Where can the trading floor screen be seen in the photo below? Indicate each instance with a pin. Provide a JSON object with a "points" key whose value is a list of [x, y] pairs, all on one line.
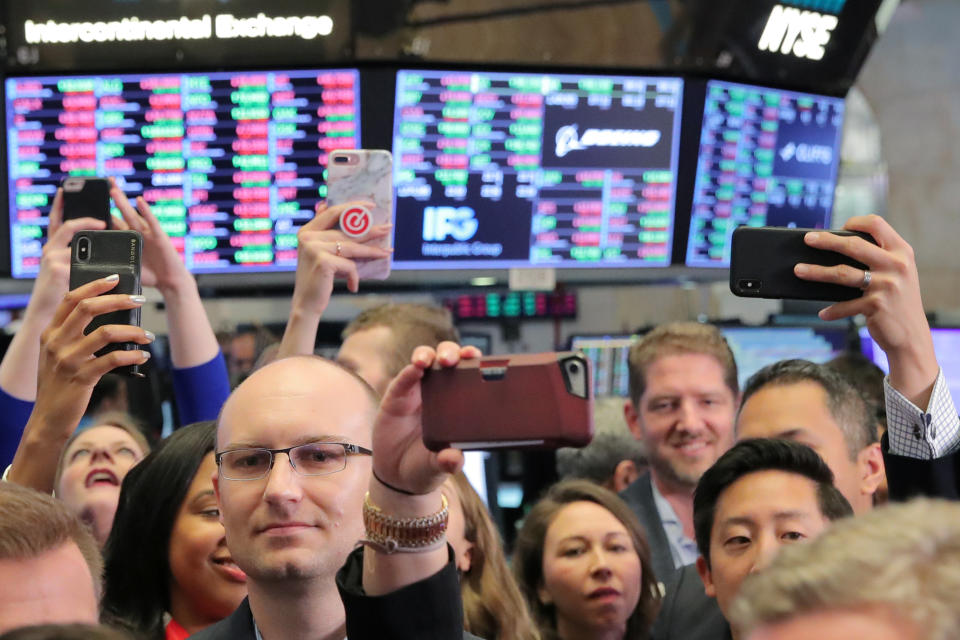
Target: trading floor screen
{"points": [[767, 158], [231, 163], [497, 170]]}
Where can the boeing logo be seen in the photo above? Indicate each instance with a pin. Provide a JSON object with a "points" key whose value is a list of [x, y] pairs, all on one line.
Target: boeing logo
{"points": [[460, 223], [568, 138]]}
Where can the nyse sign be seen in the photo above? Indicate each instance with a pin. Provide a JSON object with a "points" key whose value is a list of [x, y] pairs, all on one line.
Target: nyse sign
{"points": [[791, 31]]}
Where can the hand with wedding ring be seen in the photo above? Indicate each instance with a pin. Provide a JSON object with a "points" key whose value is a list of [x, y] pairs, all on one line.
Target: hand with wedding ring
{"points": [[891, 300], [325, 253]]}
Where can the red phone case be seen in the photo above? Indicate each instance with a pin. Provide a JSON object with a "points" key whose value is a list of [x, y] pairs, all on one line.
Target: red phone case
{"points": [[540, 400]]}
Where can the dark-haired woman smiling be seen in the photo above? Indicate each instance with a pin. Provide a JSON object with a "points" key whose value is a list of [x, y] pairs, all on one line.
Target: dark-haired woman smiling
{"points": [[168, 570]]}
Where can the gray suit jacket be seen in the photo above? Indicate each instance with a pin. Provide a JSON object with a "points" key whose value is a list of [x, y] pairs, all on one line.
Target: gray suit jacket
{"points": [[639, 497]]}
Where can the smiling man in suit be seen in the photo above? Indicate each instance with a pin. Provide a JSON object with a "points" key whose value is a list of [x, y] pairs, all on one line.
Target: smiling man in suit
{"points": [[683, 400]]}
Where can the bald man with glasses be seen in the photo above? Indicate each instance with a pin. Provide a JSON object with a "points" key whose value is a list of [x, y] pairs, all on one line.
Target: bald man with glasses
{"points": [[310, 464]]}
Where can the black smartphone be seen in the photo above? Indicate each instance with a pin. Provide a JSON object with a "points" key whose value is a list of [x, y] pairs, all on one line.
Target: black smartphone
{"points": [[528, 400], [762, 261], [98, 254], [86, 198]]}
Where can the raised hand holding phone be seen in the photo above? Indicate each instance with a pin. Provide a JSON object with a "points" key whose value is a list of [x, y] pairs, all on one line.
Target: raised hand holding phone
{"points": [[891, 301], [762, 261], [324, 254], [363, 177], [115, 254]]}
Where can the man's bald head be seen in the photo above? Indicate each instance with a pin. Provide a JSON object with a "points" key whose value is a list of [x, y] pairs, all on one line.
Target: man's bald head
{"points": [[295, 377]]}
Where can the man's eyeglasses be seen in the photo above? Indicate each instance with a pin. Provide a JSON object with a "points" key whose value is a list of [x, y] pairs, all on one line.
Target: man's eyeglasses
{"points": [[312, 459]]}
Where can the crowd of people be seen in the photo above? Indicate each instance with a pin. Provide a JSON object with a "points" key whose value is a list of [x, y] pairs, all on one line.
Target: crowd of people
{"points": [[300, 502]]}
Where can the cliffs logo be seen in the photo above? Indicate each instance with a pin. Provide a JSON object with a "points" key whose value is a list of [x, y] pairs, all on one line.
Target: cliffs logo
{"points": [[568, 138], [460, 223], [790, 31]]}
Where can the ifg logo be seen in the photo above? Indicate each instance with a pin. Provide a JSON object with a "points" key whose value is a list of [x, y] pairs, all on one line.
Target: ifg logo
{"points": [[460, 223]]}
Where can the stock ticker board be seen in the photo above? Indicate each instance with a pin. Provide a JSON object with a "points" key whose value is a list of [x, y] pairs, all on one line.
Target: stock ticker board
{"points": [[231, 163], [767, 158], [497, 170]]}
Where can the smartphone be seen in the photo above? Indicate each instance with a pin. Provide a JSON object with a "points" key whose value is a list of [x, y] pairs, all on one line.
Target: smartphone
{"points": [[98, 254], [86, 198], [762, 261], [538, 400], [363, 174]]}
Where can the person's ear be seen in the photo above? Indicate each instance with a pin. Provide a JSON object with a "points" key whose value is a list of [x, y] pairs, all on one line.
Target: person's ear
{"points": [[632, 418], [707, 577], [624, 475], [871, 467], [465, 559]]}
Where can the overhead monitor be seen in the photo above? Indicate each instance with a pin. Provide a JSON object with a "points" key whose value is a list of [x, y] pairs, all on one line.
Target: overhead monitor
{"points": [[768, 157], [499, 170], [946, 343], [231, 163], [756, 347]]}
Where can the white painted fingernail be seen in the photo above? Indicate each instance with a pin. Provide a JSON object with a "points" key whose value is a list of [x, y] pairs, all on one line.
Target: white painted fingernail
{"points": [[145, 354], [138, 299], [112, 278], [149, 335]]}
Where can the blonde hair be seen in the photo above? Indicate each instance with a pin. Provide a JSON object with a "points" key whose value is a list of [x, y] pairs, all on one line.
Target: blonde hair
{"points": [[679, 338], [32, 523], [411, 326], [902, 558], [120, 420], [493, 606]]}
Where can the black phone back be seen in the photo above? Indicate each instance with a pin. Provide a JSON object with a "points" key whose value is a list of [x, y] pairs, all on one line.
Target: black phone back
{"points": [[762, 261], [98, 254], [86, 198]]}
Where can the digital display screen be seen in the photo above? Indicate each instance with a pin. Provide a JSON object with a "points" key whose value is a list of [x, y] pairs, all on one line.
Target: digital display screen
{"points": [[946, 343], [232, 164], [756, 347], [610, 358], [767, 158], [512, 304], [499, 170]]}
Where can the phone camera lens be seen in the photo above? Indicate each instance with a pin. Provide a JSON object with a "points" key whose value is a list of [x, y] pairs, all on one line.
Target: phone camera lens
{"points": [[573, 367], [341, 159], [83, 249]]}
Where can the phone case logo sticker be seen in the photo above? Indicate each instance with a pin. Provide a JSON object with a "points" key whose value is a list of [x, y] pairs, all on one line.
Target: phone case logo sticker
{"points": [[356, 221]]}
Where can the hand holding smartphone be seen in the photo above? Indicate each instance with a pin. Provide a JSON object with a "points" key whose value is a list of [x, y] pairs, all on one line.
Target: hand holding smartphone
{"points": [[363, 175], [540, 400], [98, 254], [762, 261]]}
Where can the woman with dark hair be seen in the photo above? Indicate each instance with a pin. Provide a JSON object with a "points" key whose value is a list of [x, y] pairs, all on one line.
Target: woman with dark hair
{"points": [[583, 563], [493, 606], [168, 572]]}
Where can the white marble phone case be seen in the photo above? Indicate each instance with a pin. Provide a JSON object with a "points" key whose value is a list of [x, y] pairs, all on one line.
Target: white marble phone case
{"points": [[369, 178]]}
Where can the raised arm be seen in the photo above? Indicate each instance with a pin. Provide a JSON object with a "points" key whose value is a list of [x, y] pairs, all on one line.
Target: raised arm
{"points": [[922, 419], [192, 340], [408, 576], [18, 371], [68, 371], [324, 253]]}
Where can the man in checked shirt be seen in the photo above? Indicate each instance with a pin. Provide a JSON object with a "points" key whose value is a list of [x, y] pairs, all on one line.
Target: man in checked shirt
{"points": [[921, 448]]}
